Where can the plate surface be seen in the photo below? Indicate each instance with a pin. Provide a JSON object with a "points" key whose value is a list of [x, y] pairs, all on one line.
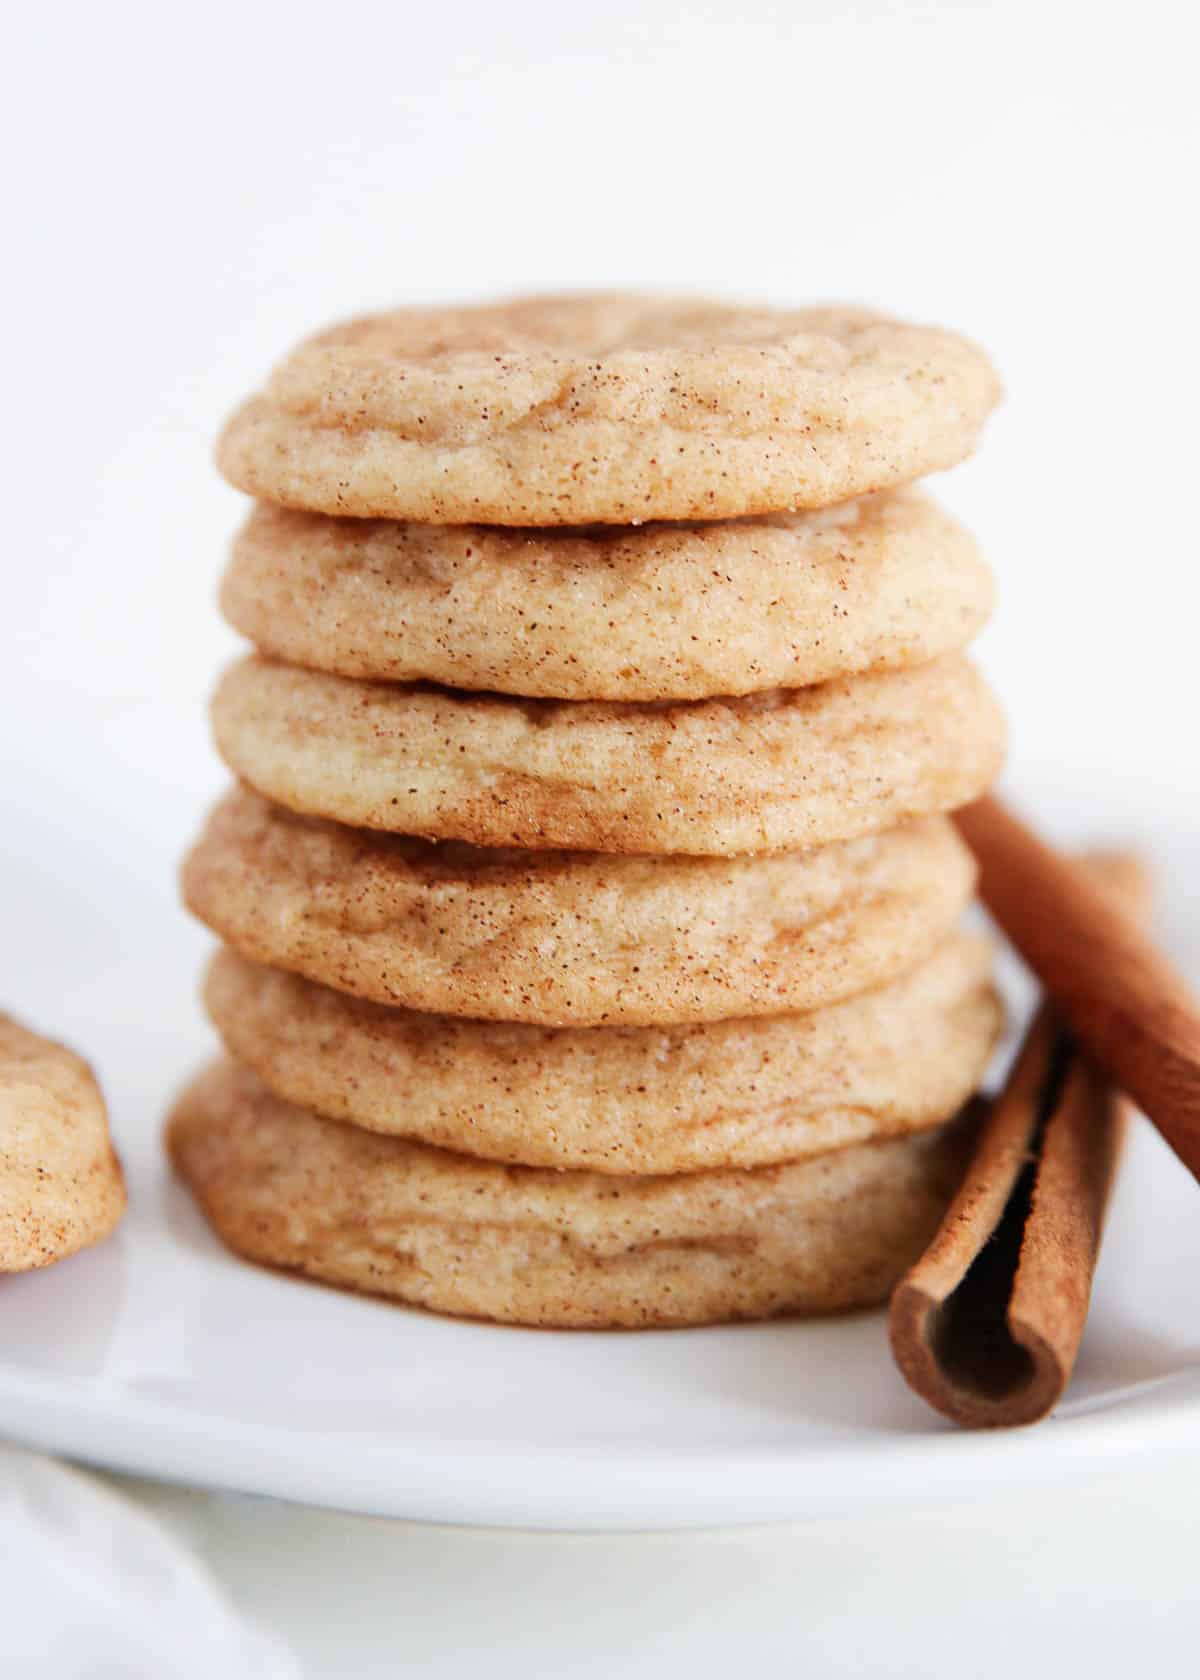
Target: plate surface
{"points": [[161, 1354]]}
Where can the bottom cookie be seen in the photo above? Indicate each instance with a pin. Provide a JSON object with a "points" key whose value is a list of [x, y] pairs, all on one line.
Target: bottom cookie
{"points": [[528, 1245]]}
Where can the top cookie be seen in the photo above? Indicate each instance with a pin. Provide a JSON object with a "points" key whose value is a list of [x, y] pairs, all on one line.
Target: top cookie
{"points": [[608, 409]]}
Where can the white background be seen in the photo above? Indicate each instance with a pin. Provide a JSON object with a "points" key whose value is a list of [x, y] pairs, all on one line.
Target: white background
{"points": [[188, 191]]}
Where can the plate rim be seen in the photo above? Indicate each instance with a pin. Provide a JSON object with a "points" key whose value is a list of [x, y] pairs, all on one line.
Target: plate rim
{"points": [[494, 1485]]}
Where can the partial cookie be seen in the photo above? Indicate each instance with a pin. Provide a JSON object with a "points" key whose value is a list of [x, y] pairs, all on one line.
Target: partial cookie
{"points": [[60, 1181], [569, 938], [624, 1099], [569, 410], [523, 1245], [664, 612], [763, 773]]}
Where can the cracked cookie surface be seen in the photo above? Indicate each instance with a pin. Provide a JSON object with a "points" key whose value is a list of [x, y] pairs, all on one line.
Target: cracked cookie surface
{"points": [[61, 1186], [570, 938], [769, 772], [623, 1100], [611, 408], [664, 612], [524, 1245]]}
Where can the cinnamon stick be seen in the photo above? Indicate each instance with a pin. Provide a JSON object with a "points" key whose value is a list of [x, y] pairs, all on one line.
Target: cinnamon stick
{"points": [[987, 1325], [1124, 1000]]}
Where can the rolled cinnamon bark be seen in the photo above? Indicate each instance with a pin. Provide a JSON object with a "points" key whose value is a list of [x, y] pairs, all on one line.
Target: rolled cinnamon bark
{"points": [[986, 1326], [1126, 1003]]}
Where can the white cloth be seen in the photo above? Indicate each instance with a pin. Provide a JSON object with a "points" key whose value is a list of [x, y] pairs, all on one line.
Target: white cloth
{"points": [[92, 1588]]}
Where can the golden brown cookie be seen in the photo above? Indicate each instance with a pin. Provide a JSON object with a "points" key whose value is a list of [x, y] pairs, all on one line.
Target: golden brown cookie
{"points": [[664, 612], [524, 1245], [618, 409], [60, 1181], [623, 1099], [767, 772], [569, 938]]}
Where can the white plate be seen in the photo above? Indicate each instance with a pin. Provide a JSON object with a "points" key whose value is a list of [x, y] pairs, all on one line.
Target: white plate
{"points": [[159, 1353]]}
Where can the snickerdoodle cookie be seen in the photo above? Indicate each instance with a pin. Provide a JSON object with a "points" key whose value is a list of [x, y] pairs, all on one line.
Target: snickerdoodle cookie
{"points": [[529, 1246], [623, 1099], [569, 410], [570, 938], [60, 1181], [664, 612], [761, 773]]}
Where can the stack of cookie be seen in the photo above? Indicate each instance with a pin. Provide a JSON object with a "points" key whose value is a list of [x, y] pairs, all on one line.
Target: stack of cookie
{"points": [[588, 897]]}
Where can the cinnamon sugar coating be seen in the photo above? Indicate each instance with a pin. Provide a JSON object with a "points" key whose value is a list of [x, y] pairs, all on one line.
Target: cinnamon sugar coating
{"points": [[767, 772], [628, 1100], [60, 1181], [611, 409], [569, 938], [523, 1245], [661, 612]]}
